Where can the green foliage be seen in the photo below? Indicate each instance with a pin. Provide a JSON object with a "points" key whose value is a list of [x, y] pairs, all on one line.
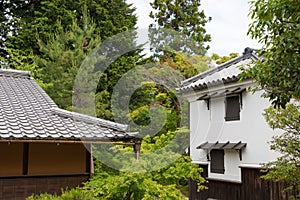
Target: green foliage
{"points": [[72, 194], [287, 167], [52, 38], [110, 77], [23, 19], [183, 17], [158, 100], [29, 18], [118, 185], [140, 181], [276, 24], [61, 57], [222, 59], [21, 61], [162, 172], [103, 105], [188, 65], [155, 104]]}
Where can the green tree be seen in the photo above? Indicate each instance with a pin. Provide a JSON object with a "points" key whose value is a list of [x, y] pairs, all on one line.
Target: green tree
{"points": [[186, 64], [222, 59], [276, 25], [287, 167], [164, 77], [53, 49], [60, 59], [27, 18], [168, 179], [185, 19], [52, 38], [24, 19], [145, 100], [163, 183], [112, 75]]}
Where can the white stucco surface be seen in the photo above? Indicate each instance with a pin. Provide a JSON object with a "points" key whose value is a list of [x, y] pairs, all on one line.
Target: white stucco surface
{"points": [[210, 126]]}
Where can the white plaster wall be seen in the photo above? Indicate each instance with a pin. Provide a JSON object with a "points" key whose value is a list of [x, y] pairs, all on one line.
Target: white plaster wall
{"points": [[198, 126], [231, 165], [210, 125]]}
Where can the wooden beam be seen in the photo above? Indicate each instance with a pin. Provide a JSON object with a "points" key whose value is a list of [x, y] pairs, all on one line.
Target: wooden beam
{"points": [[68, 142]]}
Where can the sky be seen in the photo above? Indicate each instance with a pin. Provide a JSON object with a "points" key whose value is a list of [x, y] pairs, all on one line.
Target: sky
{"points": [[228, 27]]}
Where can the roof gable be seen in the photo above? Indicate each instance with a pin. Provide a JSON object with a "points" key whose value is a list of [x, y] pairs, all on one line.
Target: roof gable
{"points": [[224, 73], [27, 112]]}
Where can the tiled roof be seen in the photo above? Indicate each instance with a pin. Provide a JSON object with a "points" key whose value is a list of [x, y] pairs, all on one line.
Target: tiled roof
{"points": [[227, 72], [27, 112]]}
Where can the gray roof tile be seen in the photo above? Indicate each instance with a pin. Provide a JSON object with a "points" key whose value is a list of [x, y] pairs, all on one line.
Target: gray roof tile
{"points": [[227, 72], [27, 112]]}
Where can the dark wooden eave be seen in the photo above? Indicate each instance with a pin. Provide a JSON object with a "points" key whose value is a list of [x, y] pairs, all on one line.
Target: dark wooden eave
{"points": [[238, 146]]}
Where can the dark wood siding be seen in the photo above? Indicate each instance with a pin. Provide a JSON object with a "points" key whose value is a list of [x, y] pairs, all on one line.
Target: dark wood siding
{"points": [[43, 159], [40, 167], [11, 159], [18, 188], [251, 188], [55, 159]]}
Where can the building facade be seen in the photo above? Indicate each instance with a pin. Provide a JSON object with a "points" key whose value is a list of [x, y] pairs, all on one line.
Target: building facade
{"points": [[229, 135], [43, 148]]}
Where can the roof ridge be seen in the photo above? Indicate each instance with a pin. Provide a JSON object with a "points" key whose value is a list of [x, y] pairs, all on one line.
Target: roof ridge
{"points": [[26, 74], [90, 119], [14, 73], [248, 53]]}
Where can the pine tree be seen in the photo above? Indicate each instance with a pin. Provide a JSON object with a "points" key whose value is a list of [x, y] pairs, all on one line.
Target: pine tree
{"points": [[60, 58], [179, 25], [26, 19], [52, 38]]}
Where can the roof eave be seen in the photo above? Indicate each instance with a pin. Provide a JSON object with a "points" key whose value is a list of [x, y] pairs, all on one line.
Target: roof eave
{"points": [[248, 54]]}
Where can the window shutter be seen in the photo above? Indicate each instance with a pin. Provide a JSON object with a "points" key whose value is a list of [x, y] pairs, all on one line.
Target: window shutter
{"points": [[232, 108], [217, 161]]}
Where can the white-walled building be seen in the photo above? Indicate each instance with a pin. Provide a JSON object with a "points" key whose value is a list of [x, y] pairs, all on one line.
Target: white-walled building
{"points": [[229, 135]]}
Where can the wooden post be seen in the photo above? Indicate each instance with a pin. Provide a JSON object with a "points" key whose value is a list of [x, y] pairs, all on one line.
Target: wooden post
{"points": [[25, 158], [88, 158], [137, 149]]}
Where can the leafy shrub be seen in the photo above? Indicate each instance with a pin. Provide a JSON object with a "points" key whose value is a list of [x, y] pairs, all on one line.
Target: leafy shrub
{"points": [[72, 194]]}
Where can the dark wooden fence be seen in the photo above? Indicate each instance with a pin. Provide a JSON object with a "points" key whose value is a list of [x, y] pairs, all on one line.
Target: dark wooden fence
{"points": [[21, 187], [251, 188]]}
